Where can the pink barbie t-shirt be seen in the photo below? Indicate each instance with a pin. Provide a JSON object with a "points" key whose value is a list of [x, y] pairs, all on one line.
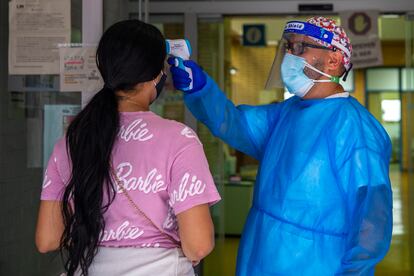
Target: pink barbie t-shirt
{"points": [[161, 164]]}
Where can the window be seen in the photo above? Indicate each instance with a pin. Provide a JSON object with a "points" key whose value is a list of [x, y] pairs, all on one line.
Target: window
{"points": [[391, 110]]}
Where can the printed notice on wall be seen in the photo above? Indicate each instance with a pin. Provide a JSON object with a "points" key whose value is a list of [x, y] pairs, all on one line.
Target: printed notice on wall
{"points": [[367, 53], [78, 70], [56, 121], [36, 29], [362, 29]]}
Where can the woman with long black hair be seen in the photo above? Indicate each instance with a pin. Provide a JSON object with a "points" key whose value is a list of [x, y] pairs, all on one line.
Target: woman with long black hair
{"points": [[127, 192]]}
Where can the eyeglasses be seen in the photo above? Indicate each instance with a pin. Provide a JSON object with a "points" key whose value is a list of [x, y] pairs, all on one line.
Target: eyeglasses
{"points": [[298, 48]]}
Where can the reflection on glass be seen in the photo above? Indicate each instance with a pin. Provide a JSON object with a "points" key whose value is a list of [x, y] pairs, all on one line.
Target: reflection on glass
{"points": [[391, 110]]}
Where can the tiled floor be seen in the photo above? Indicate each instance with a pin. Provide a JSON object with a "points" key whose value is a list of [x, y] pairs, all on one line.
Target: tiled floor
{"points": [[222, 261]]}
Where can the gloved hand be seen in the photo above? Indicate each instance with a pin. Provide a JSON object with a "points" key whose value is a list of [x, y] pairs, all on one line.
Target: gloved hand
{"points": [[182, 79]]}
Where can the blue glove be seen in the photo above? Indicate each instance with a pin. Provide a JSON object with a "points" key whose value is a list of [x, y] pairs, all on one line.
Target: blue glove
{"points": [[182, 79]]}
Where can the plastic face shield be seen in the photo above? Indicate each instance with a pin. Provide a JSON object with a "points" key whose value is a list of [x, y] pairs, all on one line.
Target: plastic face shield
{"points": [[294, 40]]}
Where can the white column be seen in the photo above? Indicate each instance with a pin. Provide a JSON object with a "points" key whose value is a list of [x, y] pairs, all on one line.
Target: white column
{"points": [[92, 21]]}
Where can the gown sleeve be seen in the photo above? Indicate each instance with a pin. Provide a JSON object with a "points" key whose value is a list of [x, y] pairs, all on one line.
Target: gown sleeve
{"points": [[245, 128], [369, 201]]}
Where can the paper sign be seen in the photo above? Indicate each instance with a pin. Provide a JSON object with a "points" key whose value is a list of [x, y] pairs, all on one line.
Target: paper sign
{"points": [[36, 27], [367, 53], [360, 24], [254, 35], [78, 70], [362, 29]]}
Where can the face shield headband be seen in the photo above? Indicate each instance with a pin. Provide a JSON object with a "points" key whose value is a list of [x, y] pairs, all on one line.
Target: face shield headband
{"points": [[304, 28]]}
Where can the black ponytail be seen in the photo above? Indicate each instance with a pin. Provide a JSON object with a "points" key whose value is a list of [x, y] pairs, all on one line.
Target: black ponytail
{"points": [[130, 52], [90, 157]]}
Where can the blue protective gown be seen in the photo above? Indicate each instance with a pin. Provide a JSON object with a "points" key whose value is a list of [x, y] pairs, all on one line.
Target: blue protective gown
{"points": [[322, 200]]}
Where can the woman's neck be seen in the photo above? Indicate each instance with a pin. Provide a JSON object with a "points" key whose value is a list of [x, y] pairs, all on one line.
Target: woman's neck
{"points": [[128, 105]]}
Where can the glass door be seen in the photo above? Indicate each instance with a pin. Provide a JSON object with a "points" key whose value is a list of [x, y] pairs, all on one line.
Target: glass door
{"points": [[33, 114], [384, 102], [408, 85], [210, 40]]}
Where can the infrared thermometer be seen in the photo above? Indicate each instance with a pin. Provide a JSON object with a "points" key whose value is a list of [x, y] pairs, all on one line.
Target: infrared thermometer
{"points": [[180, 49]]}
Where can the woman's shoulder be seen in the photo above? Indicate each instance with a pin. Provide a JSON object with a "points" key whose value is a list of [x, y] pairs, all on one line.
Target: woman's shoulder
{"points": [[174, 129], [181, 133]]}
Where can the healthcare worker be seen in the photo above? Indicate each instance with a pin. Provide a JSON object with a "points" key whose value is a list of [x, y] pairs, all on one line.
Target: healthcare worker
{"points": [[322, 201]]}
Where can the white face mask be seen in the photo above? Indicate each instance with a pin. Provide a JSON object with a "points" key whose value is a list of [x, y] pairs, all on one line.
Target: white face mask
{"points": [[294, 77]]}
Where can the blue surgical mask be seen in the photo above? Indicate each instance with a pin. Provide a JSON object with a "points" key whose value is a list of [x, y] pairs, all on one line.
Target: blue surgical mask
{"points": [[294, 77]]}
